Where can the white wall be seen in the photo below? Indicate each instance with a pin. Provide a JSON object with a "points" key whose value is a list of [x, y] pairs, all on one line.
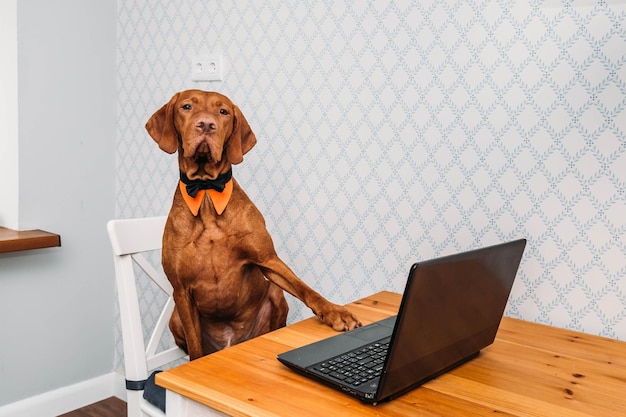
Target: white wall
{"points": [[57, 305], [8, 115]]}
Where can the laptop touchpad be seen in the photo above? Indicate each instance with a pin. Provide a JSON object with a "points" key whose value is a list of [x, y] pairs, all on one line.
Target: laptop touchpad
{"points": [[375, 331]]}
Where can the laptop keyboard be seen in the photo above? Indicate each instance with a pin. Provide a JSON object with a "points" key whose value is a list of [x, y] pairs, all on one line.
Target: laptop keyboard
{"points": [[358, 366]]}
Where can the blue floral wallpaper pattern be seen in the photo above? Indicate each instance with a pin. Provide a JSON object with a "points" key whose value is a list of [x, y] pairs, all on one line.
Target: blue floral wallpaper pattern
{"points": [[390, 132]]}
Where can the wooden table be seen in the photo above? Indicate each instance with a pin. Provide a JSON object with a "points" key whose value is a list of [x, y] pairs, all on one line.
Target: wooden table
{"points": [[530, 370]]}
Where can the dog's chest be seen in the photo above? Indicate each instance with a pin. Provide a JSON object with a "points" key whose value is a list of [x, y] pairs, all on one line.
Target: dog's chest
{"points": [[215, 237], [210, 245], [213, 243]]}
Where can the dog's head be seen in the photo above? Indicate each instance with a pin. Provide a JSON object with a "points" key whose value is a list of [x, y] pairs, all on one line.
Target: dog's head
{"points": [[209, 132]]}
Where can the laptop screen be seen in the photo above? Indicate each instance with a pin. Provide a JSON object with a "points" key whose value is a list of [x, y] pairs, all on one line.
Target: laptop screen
{"points": [[452, 307]]}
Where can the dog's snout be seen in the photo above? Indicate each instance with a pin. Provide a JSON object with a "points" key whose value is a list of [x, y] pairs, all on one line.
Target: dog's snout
{"points": [[206, 125]]}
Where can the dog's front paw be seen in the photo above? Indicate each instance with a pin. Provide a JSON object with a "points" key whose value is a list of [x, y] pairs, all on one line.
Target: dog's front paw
{"points": [[339, 318]]}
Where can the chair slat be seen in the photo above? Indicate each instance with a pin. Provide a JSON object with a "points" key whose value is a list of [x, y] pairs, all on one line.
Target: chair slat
{"points": [[130, 239], [156, 276]]}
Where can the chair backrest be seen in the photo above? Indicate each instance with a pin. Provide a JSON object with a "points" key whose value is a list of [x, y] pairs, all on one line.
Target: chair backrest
{"points": [[131, 240]]}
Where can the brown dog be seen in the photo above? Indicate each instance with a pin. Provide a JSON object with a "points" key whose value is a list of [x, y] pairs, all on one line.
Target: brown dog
{"points": [[217, 253]]}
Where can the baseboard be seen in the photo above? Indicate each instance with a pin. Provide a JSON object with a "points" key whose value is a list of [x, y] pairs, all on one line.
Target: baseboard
{"points": [[63, 400]]}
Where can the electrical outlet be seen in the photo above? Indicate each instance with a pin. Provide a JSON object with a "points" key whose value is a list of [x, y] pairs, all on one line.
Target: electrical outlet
{"points": [[206, 68]]}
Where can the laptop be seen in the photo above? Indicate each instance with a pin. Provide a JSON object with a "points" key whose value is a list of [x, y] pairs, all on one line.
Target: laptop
{"points": [[451, 309]]}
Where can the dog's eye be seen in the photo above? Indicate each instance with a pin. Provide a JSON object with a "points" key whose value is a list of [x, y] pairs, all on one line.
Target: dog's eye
{"points": [[186, 107], [224, 112]]}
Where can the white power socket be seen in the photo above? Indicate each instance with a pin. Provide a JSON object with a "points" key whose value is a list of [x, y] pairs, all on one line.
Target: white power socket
{"points": [[206, 68]]}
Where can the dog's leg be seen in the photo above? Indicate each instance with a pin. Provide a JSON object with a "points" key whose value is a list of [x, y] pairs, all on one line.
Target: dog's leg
{"points": [[190, 322], [280, 309], [177, 330], [338, 317]]}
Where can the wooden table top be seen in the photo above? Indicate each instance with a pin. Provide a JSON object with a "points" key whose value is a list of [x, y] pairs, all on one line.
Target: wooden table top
{"points": [[530, 370]]}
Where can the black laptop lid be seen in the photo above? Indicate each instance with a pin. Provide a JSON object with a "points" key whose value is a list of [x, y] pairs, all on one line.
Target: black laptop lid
{"points": [[451, 309]]}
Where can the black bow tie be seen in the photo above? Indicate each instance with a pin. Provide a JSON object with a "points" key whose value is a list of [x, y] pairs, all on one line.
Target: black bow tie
{"points": [[218, 184]]}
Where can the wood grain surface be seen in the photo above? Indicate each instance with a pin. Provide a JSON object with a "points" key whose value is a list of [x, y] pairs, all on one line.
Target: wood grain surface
{"points": [[530, 370]]}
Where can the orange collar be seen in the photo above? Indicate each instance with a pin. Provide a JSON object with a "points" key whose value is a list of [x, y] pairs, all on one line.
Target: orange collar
{"points": [[220, 199]]}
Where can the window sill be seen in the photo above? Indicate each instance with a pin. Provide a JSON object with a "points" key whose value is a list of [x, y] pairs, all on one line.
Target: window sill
{"points": [[14, 240]]}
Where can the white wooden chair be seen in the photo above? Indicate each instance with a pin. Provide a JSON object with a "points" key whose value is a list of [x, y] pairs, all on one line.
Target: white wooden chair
{"points": [[131, 239]]}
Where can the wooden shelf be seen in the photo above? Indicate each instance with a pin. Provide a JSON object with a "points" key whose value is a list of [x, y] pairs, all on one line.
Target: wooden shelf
{"points": [[14, 240]]}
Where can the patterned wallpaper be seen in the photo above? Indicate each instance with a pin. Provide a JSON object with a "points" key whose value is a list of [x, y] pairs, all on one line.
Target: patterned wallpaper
{"points": [[390, 132]]}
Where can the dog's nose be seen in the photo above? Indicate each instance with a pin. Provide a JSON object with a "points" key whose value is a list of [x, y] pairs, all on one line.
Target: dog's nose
{"points": [[206, 125]]}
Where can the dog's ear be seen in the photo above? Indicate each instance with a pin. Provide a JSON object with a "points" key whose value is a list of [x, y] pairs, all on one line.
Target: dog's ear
{"points": [[161, 127], [241, 140]]}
